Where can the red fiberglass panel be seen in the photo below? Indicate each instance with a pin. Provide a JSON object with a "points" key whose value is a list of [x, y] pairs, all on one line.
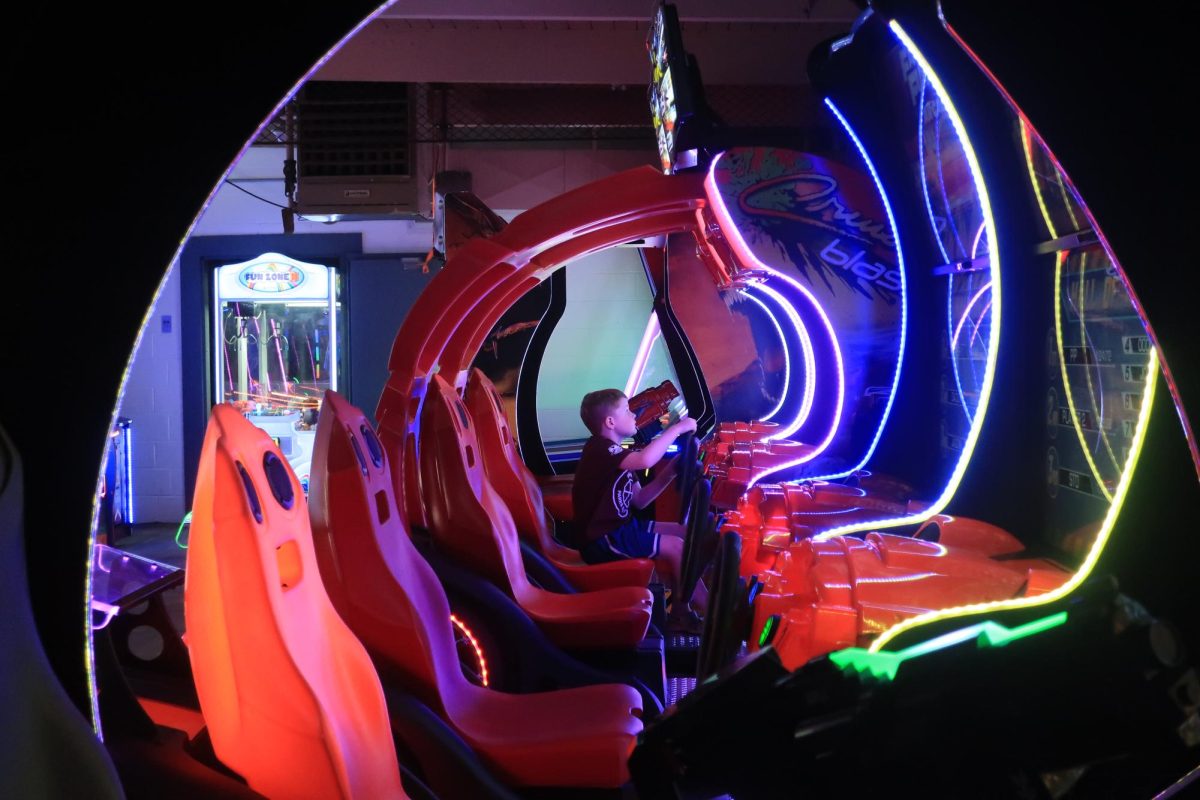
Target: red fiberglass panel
{"points": [[290, 696], [629, 205], [391, 598], [471, 523], [520, 491]]}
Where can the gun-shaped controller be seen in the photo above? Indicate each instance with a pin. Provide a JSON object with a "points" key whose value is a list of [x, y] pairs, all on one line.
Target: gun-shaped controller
{"points": [[650, 407]]}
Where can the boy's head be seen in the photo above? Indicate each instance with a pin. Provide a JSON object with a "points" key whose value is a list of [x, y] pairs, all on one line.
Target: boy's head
{"points": [[607, 408]]}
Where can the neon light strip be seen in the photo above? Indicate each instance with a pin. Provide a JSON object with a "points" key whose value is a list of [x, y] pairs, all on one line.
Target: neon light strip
{"points": [[977, 322], [787, 360], [887, 206], [962, 397], [1033, 179], [993, 335], [332, 350], [937, 143], [937, 236], [1089, 563], [975, 244], [810, 365], [108, 610], [1172, 386], [1062, 189], [1059, 260], [986, 634], [483, 673], [643, 355], [1085, 339], [89, 647], [128, 432], [970, 304], [218, 339], [734, 237]]}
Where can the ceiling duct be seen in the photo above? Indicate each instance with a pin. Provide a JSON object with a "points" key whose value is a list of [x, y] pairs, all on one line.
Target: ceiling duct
{"points": [[354, 152]]}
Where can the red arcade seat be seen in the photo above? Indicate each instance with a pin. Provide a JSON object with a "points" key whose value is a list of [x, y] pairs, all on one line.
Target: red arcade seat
{"points": [[513, 481], [291, 699], [470, 522], [392, 600]]}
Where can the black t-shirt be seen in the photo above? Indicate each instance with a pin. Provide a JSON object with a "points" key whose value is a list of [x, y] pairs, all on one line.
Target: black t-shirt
{"points": [[603, 492]]}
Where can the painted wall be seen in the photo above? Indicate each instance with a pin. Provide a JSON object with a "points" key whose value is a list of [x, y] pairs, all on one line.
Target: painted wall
{"points": [[153, 400], [509, 180], [595, 342]]}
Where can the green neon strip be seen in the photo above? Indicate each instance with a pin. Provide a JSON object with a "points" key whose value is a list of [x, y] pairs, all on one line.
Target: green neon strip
{"points": [[885, 665], [187, 519], [880, 665], [768, 626], [998, 636]]}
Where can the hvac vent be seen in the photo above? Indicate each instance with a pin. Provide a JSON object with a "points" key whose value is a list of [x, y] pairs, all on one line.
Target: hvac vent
{"points": [[354, 151]]}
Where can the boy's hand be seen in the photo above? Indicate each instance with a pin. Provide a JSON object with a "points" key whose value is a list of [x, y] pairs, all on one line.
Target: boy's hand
{"points": [[685, 425]]}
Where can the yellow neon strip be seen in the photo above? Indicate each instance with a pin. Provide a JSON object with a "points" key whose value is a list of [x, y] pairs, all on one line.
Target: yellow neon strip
{"points": [[1088, 372], [1093, 555], [1059, 259], [985, 390], [1033, 179]]}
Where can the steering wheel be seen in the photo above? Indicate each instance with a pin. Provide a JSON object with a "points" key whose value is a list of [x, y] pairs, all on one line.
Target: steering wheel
{"points": [[700, 542], [728, 609], [689, 470]]}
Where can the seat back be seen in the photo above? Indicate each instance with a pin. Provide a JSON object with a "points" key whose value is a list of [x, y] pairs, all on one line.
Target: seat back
{"points": [[468, 519], [291, 699], [502, 464], [376, 579]]}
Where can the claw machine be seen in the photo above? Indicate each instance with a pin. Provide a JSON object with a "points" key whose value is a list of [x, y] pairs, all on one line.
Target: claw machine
{"points": [[276, 349]]}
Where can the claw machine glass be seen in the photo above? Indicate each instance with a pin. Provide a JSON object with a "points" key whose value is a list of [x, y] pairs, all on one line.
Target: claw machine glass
{"points": [[275, 347]]}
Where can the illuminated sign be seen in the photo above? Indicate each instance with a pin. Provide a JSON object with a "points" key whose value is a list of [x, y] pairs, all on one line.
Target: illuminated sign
{"points": [[270, 278], [273, 277]]}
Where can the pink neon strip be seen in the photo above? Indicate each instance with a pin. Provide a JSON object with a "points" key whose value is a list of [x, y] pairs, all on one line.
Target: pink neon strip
{"points": [[643, 355], [810, 366], [966, 313], [279, 353], [787, 360], [978, 239], [975, 325], [746, 255]]}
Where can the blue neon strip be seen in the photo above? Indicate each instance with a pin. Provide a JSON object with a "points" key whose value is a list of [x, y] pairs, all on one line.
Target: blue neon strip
{"points": [[787, 359], [993, 335], [810, 366], [937, 237], [887, 206], [128, 474]]}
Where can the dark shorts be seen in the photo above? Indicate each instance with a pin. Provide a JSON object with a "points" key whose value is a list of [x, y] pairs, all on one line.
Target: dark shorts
{"points": [[635, 539]]}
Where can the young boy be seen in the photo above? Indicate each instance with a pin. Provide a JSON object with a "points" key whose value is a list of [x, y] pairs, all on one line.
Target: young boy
{"points": [[605, 493]]}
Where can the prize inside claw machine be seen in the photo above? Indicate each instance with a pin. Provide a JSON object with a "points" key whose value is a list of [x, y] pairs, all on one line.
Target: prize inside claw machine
{"points": [[277, 323]]}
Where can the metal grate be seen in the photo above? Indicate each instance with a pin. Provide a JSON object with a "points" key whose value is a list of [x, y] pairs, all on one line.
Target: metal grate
{"points": [[474, 112], [347, 129], [369, 129]]}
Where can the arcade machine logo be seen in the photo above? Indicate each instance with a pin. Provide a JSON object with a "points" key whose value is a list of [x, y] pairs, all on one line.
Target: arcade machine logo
{"points": [[270, 278]]}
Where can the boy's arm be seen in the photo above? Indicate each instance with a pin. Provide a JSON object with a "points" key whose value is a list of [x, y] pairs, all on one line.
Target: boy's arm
{"points": [[652, 453], [645, 495]]}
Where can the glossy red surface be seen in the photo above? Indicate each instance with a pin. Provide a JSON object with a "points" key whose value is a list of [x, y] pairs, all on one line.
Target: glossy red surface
{"points": [[290, 696], [485, 276], [520, 491], [844, 591], [471, 523], [392, 600]]}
